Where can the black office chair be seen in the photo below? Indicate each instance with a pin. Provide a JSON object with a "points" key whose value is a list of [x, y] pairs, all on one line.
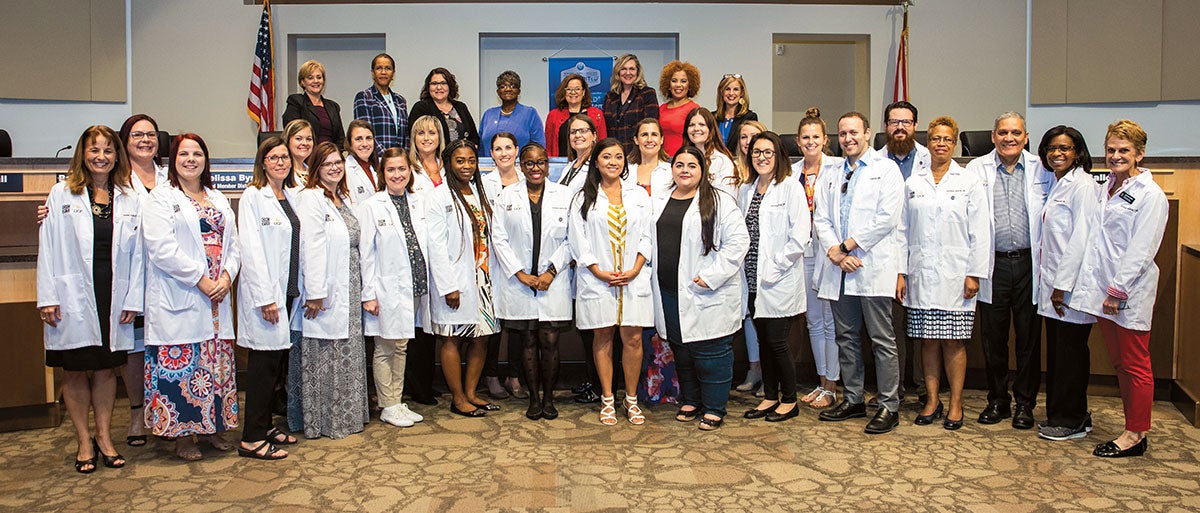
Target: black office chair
{"points": [[832, 144], [164, 144], [976, 143], [5, 144], [922, 137], [790, 146], [880, 140], [262, 136]]}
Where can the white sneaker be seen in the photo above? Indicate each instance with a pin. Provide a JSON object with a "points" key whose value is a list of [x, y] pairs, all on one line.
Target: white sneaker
{"points": [[402, 410], [393, 416]]}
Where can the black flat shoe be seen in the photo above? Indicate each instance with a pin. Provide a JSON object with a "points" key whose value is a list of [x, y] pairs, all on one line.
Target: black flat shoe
{"points": [[925, 420], [476, 413], [487, 407], [843, 411], [707, 424], [758, 414], [995, 412], [884, 421], [534, 412], [549, 412], [775, 416], [687, 416], [1111, 450], [109, 461]]}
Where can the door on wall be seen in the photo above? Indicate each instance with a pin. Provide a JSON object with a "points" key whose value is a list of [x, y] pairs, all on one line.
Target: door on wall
{"points": [[829, 71]]}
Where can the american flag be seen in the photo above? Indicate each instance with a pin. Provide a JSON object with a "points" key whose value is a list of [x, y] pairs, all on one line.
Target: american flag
{"points": [[261, 104], [900, 88]]}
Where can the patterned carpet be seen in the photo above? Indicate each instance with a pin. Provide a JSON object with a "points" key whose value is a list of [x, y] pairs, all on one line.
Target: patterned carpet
{"points": [[507, 463]]}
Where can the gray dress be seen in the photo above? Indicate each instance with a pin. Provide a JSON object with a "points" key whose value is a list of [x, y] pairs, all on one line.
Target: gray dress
{"points": [[334, 371]]}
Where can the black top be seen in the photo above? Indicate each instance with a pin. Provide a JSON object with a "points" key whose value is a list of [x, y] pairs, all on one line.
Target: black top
{"points": [[467, 129], [293, 283], [535, 212], [736, 127], [300, 107], [670, 234]]}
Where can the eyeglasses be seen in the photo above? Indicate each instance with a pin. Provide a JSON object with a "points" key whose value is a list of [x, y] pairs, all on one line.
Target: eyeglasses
{"points": [[531, 164], [901, 122], [763, 154], [142, 135], [439, 83], [941, 139], [580, 131], [731, 75], [1064, 149], [507, 86], [331, 165], [846, 182], [574, 89], [275, 159]]}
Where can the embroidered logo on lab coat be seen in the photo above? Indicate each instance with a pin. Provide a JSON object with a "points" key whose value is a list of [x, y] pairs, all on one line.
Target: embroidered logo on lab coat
{"points": [[266, 221]]}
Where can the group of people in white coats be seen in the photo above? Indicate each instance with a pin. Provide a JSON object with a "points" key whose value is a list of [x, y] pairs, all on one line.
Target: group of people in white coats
{"points": [[617, 247]]}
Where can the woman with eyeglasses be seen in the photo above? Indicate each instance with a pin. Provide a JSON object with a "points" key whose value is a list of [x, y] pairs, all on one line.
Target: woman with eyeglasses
{"points": [[1066, 223], [573, 98], [1118, 282], [947, 236], [811, 138], [732, 107], [746, 174], [534, 304], [779, 226], [268, 293], [582, 132], [513, 117], [310, 105], [439, 98], [678, 83], [334, 367], [629, 101]]}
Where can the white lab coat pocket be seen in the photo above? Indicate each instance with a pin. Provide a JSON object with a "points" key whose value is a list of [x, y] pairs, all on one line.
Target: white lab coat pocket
{"points": [[703, 297], [70, 293]]}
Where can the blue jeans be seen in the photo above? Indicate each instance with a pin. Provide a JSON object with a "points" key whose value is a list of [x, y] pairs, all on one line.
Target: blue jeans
{"points": [[705, 367]]}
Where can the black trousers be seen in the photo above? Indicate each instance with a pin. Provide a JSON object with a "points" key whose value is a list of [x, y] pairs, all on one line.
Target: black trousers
{"points": [[263, 369], [778, 367], [1012, 302], [1068, 362], [420, 365]]}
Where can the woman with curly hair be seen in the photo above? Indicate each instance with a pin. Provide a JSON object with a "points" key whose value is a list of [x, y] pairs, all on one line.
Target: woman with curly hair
{"points": [[679, 82]]}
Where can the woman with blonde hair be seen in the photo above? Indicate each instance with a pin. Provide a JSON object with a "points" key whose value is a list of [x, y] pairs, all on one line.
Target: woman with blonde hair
{"points": [[298, 134], [732, 107], [322, 113], [629, 101]]}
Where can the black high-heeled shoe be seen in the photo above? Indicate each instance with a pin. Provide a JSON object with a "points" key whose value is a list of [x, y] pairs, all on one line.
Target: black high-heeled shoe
{"points": [[925, 420], [1112, 450], [109, 461]]}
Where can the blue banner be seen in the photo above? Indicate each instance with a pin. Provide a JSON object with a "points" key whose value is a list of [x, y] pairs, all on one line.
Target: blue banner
{"points": [[597, 71]]}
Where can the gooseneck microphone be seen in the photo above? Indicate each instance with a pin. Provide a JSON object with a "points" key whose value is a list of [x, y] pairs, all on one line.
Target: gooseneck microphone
{"points": [[60, 150]]}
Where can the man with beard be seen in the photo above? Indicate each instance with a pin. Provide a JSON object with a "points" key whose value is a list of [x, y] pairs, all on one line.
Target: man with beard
{"points": [[900, 128]]}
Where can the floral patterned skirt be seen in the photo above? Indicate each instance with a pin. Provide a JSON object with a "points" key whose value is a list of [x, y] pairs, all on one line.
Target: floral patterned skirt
{"points": [[190, 388]]}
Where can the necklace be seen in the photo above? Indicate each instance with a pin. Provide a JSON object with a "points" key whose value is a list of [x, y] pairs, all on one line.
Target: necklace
{"points": [[102, 210]]}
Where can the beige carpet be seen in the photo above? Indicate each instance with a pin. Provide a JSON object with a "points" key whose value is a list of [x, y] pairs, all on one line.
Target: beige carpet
{"points": [[507, 463]]}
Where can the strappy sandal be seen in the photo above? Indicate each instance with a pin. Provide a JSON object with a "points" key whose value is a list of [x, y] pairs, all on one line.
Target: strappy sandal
{"points": [[79, 464], [191, 453], [270, 454], [608, 411], [633, 412], [687, 415], [825, 400], [116, 461], [278, 437], [707, 424], [812, 396], [136, 440]]}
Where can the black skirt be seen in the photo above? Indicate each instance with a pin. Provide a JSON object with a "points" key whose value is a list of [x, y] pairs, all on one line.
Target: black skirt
{"points": [[95, 357]]}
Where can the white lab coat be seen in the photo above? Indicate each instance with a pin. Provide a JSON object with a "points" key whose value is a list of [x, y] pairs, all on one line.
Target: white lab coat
{"points": [[875, 212], [946, 238], [660, 179], [65, 269], [387, 269], [784, 229], [160, 177], [829, 165], [921, 161], [1120, 253], [595, 301], [721, 172], [265, 234], [718, 311], [1037, 186], [451, 259], [1067, 220], [361, 186], [325, 262], [491, 182], [512, 246], [577, 181], [176, 311]]}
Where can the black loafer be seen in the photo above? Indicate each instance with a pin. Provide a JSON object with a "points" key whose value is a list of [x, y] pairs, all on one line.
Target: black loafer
{"points": [[883, 422], [534, 412], [549, 412], [995, 412], [1111, 450], [1023, 418], [775, 416], [476, 413], [843, 411], [758, 414], [925, 420]]}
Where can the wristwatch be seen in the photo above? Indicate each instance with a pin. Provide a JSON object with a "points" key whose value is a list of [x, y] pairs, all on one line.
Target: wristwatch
{"points": [[844, 248]]}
